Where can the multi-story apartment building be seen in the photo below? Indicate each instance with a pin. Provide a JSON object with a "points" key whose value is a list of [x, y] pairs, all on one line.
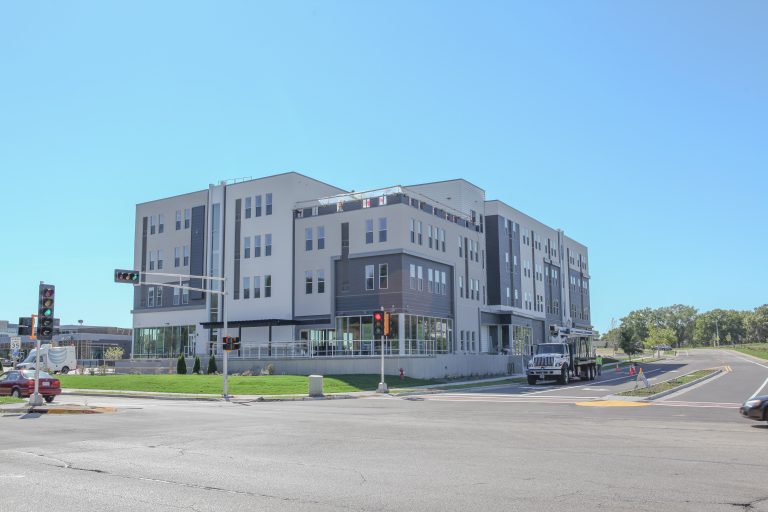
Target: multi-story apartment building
{"points": [[307, 263]]}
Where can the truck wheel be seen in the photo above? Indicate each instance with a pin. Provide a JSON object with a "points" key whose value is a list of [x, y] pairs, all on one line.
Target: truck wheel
{"points": [[16, 393], [563, 378], [49, 398], [532, 380], [65, 370], [594, 372]]}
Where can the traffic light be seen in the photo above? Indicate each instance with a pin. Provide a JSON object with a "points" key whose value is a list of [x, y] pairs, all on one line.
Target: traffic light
{"points": [[25, 326], [236, 343], [230, 343], [45, 312], [378, 324], [387, 324], [127, 276]]}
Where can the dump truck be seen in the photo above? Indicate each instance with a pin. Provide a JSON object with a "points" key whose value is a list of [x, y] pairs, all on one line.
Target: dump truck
{"points": [[568, 354]]}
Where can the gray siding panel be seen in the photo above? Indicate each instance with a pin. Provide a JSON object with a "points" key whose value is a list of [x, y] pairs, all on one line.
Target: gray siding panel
{"points": [[197, 252], [494, 258]]}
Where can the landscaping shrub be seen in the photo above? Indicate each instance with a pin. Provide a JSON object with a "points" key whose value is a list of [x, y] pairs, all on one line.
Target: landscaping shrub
{"points": [[196, 367], [181, 366], [212, 366]]}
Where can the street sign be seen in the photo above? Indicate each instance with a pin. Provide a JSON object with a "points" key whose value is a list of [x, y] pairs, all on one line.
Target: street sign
{"points": [[15, 343]]}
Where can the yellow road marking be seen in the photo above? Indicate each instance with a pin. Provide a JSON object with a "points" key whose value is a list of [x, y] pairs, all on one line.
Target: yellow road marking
{"points": [[612, 403]]}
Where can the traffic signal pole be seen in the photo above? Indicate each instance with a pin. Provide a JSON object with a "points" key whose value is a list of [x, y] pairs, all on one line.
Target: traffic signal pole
{"points": [[127, 276]]}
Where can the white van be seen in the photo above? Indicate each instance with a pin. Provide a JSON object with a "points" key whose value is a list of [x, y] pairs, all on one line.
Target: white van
{"points": [[52, 359]]}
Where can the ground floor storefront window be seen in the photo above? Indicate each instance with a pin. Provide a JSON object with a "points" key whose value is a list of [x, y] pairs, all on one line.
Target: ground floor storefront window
{"points": [[163, 342]]}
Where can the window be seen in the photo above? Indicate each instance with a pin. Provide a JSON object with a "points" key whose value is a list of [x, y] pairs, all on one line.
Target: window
{"points": [[269, 204], [429, 236], [461, 286], [418, 231], [247, 247], [321, 281], [420, 274], [382, 200], [256, 287], [247, 207], [159, 294], [268, 244], [187, 217], [382, 229], [246, 287], [308, 281], [461, 252], [186, 255], [159, 260], [506, 261], [443, 284], [257, 206], [150, 296], [152, 225], [369, 277], [268, 286], [367, 203], [320, 237], [441, 232], [413, 231], [176, 296], [383, 276], [307, 239], [151, 260], [160, 223], [413, 276], [369, 231], [185, 294], [257, 246], [431, 280], [508, 297], [178, 220], [176, 256]]}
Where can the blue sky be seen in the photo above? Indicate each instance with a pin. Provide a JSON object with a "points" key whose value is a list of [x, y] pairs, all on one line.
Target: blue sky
{"points": [[637, 127]]}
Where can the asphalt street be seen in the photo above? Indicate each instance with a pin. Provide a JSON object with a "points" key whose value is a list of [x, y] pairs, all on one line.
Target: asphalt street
{"points": [[520, 447]]}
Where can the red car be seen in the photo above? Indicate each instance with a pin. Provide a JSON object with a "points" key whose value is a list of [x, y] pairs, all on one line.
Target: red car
{"points": [[21, 383]]}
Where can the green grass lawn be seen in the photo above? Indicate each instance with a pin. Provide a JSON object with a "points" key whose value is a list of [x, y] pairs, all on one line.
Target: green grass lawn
{"points": [[238, 385], [667, 385], [10, 400], [757, 349]]}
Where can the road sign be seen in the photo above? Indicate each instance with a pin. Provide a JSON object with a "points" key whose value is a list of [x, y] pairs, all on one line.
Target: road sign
{"points": [[15, 343]]}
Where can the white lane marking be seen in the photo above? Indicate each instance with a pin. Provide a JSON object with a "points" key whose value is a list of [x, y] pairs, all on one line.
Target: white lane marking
{"points": [[765, 382], [596, 389], [751, 361], [12, 476], [700, 405]]}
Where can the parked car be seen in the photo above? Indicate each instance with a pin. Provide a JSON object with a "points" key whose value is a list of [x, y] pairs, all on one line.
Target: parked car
{"points": [[756, 408], [21, 383], [6, 363]]}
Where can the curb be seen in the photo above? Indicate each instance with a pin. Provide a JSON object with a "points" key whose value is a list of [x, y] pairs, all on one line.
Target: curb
{"points": [[663, 393], [683, 386]]}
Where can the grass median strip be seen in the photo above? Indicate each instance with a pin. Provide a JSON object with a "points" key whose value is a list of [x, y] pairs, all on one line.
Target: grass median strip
{"points": [[238, 385], [757, 350], [669, 384], [10, 400]]}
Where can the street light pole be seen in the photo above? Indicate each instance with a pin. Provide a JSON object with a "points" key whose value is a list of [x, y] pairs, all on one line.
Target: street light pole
{"points": [[226, 353]]}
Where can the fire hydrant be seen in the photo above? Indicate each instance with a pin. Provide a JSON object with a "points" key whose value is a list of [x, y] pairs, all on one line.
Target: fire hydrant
{"points": [[402, 374]]}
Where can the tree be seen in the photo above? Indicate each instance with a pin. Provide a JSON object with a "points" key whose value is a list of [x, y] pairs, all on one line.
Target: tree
{"points": [[196, 367], [638, 322], [114, 353], [681, 319], [211, 366], [181, 365], [756, 324], [629, 343], [714, 326], [660, 336]]}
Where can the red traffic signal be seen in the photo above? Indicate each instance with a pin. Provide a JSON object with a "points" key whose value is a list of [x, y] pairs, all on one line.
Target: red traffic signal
{"points": [[378, 324]]}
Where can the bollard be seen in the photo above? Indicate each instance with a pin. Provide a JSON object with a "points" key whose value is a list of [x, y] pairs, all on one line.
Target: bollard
{"points": [[315, 385]]}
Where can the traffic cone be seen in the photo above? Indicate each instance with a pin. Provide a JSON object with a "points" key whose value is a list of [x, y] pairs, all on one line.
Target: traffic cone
{"points": [[617, 368]]}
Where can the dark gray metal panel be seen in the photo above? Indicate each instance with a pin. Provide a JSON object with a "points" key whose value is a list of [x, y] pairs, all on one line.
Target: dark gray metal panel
{"points": [[238, 222], [494, 258], [357, 300], [138, 296], [197, 252], [517, 273]]}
